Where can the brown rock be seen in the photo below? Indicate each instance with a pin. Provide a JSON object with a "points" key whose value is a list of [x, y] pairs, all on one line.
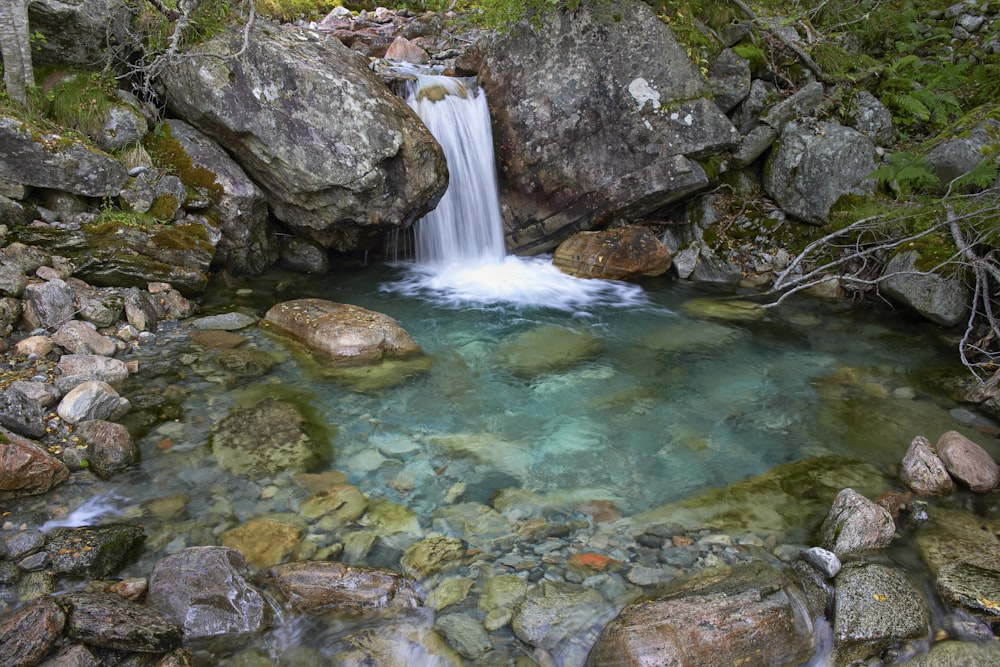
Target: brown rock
{"points": [[337, 505], [968, 462], [748, 616], [26, 469], [79, 338], [403, 50], [263, 542], [341, 332], [216, 339], [110, 448], [37, 345], [30, 632], [614, 254], [312, 585]]}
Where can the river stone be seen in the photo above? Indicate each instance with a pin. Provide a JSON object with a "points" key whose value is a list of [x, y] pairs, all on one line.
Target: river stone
{"points": [[814, 165], [42, 393], [73, 655], [110, 621], [971, 587], [101, 307], [570, 158], [76, 337], [266, 438], [788, 501], [465, 634], [246, 362], [21, 414], [51, 303], [432, 555], [554, 611], [215, 339], [93, 551], [823, 560], [322, 585], [341, 332], [450, 591], [140, 309], [968, 462], [750, 615], [110, 448], [856, 524], [940, 298], [377, 377], [27, 634], [237, 203], [499, 597], [26, 469], [225, 321], [10, 314], [298, 254], [613, 254], [75, 369], [263, 542], [32, 158], [923, 472], [479, 525], [206, 591], [547, 349], [959, 654], [17, 545], [875, 608], [341, 184], [92, 399], [398, 642], [335, 506]]}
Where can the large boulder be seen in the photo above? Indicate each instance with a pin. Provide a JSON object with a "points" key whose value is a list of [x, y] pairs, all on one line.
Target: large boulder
{"points": [[940, 298], [856, 524], [752, 615], [598, 113], [814, 165], [28, 157], [923, 472], [206, 591], [341, 332], [875, 608], [340, 158], [969, 462], [237, 204], [28, 633], [75, 31]]}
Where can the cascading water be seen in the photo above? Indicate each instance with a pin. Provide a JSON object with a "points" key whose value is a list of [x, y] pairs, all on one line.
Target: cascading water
{"points": [[465, 228], [459, 246]]}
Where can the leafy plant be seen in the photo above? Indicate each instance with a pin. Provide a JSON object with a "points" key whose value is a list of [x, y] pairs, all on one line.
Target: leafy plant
{"points": [[80, 101], [906, 173]]}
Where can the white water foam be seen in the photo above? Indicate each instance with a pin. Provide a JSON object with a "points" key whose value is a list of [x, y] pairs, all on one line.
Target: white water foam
{"points": [[89, 512], [460, 254]]}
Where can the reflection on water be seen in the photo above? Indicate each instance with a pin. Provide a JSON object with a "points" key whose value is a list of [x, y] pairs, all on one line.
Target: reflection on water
{"points": [[635, 398]]}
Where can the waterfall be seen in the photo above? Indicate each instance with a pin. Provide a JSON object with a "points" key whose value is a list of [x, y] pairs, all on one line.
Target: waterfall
{"points": [[459, 246], [465, 228]]}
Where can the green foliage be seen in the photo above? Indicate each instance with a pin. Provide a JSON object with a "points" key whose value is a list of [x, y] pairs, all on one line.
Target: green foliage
{"points": [[79, 101], [921, 92], [110, 218], [906, 173], [982, 176], [293, 10]]}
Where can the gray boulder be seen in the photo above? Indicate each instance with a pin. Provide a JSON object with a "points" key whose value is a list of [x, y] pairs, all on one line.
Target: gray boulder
{"points": [[238, 205], [760, 125], [870, 117], [599, 114], [154, 191], [875, 608], [340, 158], [92, 399], [21, 414], [940, 298], [49, 304], [751, 615], [76, 33], [298, 254], [34, 159], [93, 551], [125, 126], [110, 448], [814, 165], [856, 524], [923, 472], [206, 591], [956, 157], [77, 337], [729, 78], [109, 621], [74, 369]]}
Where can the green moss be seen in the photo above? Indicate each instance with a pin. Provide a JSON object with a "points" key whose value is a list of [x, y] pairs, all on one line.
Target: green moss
{"points": [[108, 220], [180, 237], [164, 207], [79, 100], [168, 153]]}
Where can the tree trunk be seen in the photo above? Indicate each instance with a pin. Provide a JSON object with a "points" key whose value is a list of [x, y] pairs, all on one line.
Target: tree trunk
{"points": [[15, 45]]}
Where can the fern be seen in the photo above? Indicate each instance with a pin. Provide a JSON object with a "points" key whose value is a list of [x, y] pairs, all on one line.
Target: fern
{"points": [[982, 176], [905, 173]]}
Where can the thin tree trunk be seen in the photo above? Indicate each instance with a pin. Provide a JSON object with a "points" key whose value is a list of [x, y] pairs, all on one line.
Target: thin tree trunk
{"points": [[15, 45]]}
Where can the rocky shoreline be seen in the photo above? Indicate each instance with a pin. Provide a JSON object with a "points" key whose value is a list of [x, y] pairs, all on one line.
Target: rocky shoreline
{"points": [[489, 583]]}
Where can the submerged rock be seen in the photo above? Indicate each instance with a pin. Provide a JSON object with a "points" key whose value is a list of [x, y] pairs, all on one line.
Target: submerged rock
{"points": [[263, 542], [547, 349], [318, 586], [266, 438], [554, 611], [752, 615]]}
